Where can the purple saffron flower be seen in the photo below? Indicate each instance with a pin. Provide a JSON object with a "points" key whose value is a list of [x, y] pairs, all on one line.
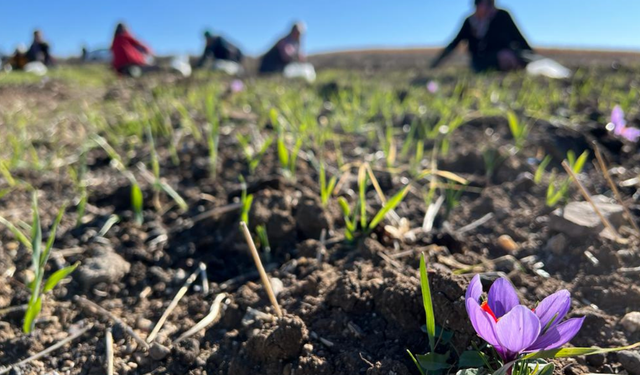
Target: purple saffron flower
{"points": [[617, 119], [620, 126], [433, 87], [236, 86], [512, 328]]}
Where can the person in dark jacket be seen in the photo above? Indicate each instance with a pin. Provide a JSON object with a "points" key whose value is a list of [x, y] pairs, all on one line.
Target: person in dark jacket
{"points": [[39, 50], [129, 54], [219, 48], [494, 41], [286, 51]]}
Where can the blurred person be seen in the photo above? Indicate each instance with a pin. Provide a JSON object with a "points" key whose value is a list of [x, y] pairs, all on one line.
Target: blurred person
{"points": [[40, 50], [219, 48], [494, 41], [130, 56], [287, 50], [18, 60]]}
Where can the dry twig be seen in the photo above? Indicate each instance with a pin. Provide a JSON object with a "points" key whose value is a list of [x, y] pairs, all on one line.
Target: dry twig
{"points": [[263, 273]]}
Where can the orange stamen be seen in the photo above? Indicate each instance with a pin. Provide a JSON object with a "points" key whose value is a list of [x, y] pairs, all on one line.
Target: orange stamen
{"points": [[485, 306]]}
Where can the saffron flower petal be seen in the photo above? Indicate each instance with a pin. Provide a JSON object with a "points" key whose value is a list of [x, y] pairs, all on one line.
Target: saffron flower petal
{"points": [[558, 335], [474, 291], [552, 309], [518, 329], [502, 297], [617, 118], [631, 134], [482, 322]]}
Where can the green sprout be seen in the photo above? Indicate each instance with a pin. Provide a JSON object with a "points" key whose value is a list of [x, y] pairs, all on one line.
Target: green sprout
{"points": [[263, 239], [137, 199], [286, 158], [246, 200], [558, 192], [519, 131], [453, 193], [541, 168], [326, 189], [253, 157], [39, 286], [157, 182], [432, 362], [358, 215]]}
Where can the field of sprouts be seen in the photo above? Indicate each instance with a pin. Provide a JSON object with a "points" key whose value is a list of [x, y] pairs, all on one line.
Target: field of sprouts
{"points": [[122, 249]]}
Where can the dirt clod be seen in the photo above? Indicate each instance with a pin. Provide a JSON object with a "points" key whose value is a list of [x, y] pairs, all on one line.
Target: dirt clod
{"points": [[158, 351], [104, 266]]}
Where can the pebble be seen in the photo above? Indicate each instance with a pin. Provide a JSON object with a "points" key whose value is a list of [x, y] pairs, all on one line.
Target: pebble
{"points": [[557, 244], [631, 322], [596, 360], [506, 263], [524, 182], [104, 266], [130, 347], [507, 243], [630, 360], [578, 219], [144, 324], [277, 285], [159, 352], [626, 255], [179, 276]]}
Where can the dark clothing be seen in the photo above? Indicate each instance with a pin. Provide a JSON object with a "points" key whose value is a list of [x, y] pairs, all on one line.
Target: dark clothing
{"points": [[286, 51], [39, 51], [501, 34], [219, 48]]}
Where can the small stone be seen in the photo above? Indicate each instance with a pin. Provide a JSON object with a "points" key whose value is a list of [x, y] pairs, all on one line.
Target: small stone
{"points": [[626, 255], [631, 322], [630, 360], [159, 352], [506, 263], [507, 243], [277, 285], [524, 182], [29, 276], [144, 324], [596, 360], [103, 266], [578, 219], [130, 347], [557, 244], [180, 276]]}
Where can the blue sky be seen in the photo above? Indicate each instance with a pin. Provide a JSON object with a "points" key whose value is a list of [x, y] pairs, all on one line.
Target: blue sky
{"points": [[171, 26]]}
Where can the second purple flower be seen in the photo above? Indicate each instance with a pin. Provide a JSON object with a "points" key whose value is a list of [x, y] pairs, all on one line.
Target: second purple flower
{"points": [[512, 328]]}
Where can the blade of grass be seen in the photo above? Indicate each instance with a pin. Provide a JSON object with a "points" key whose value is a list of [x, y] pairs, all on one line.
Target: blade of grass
{"points": [[427, 302]]}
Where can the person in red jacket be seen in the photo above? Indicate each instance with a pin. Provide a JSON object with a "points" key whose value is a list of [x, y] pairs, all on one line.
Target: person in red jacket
{"points": [[129, 54]]}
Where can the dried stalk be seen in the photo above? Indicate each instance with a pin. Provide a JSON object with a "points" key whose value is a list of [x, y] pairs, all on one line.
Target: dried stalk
{"points": [[206, 321], [109, 351], [48, 350], [263, 274], [94, 308], [588, 198], [605, 171], [172, 305]]}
